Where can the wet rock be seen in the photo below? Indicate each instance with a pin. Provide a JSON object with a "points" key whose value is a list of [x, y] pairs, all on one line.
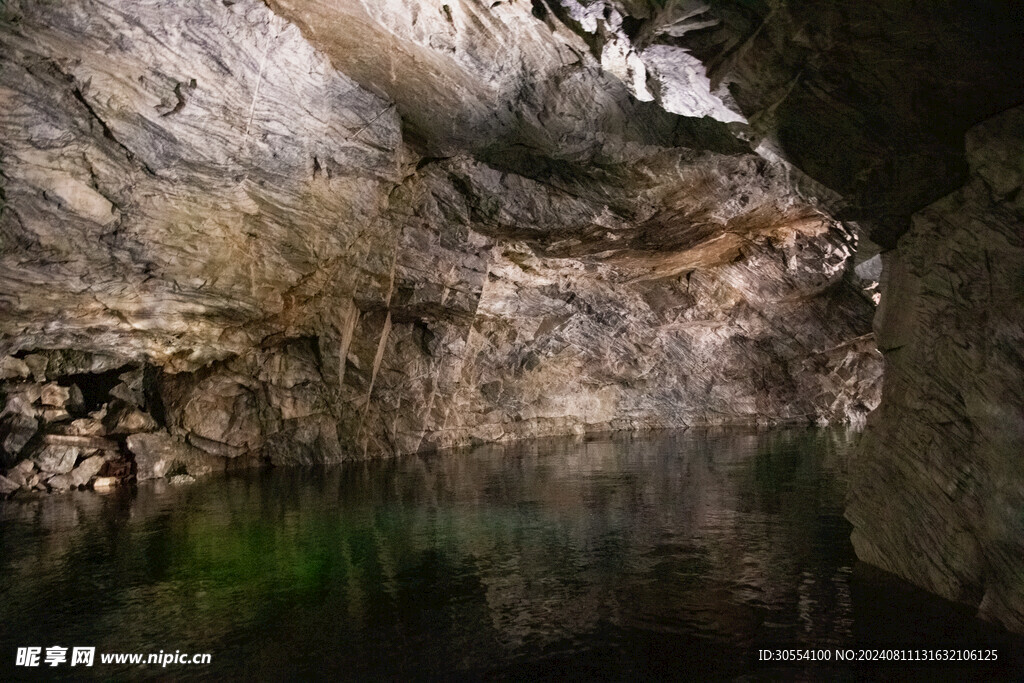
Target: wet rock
{"points": [[937, 486], [60, 482], [158, 455], [180, 479]]}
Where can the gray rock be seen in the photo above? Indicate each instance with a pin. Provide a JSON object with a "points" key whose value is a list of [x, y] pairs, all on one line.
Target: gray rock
{"points": [[61, 482], [937, 488], [16, 430], [54, 395], [87, 469], [159, 455], [37, 366], [56, 458]]}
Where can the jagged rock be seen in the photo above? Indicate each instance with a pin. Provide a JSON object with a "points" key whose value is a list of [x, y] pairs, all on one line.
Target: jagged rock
{"points": [[60, 482], [22, 399], [125, 418], [16, 430], [37, 365], [158, 455], [56, 458], [131, 390], [179, 479], [509, 230], [21, 473], [87, 469], [13, 368], [86, 426], [53, 394]]}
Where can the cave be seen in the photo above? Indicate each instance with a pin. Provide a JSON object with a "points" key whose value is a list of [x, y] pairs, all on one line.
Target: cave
{"points": [[284, 251]]}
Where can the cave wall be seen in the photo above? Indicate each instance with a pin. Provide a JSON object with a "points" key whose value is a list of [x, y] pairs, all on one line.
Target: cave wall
{"points": [[938, 490], [313, 254]]}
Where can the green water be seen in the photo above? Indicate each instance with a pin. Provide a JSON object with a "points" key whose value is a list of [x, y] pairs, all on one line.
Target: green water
{"points": [[672, 556]]}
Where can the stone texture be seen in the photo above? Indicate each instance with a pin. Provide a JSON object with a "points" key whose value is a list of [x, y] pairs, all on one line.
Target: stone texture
{"points": [[56, 458], [938, 488], [160, 455]]}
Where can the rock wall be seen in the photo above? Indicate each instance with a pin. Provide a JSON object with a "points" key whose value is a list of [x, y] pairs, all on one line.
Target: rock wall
{"points": [[938, 489], [452, 247]]}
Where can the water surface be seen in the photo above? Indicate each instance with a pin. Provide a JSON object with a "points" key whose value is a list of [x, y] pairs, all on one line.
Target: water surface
{"points": [[669, 556]]}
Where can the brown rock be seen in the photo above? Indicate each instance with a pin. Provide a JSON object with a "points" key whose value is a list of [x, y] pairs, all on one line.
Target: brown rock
{"points": [[87, 469], [13, 368], [8, 486], [158, 455]]}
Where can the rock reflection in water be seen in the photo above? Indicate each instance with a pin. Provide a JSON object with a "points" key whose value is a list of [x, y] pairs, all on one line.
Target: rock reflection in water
{"points": [[671, 555]]}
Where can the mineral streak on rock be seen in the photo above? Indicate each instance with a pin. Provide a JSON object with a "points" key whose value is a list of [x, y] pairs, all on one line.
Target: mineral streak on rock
{"points": [[307, 231]]}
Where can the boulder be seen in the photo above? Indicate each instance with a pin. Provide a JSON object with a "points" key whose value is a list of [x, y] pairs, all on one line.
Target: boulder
{"points": [[16, 431], [55, 395], [13, 368], [125, 418], [131, 389], [21, 473], [88, 469], [57, 458], [37, 366], [158, 455], [60, 482]]}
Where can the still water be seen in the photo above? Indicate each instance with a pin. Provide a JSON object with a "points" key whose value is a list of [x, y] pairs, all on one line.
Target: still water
{"points": [[668, 556]]}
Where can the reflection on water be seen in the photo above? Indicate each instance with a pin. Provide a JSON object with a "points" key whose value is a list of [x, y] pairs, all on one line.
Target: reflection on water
{"points": [[667, 556]]}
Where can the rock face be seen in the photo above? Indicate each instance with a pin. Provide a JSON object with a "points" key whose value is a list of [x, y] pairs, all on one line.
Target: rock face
{"points": [[305, 231], [485, 249], [950, 432]]}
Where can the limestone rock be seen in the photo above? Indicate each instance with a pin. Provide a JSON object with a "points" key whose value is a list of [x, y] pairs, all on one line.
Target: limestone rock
{"points": [[21, 473]]}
